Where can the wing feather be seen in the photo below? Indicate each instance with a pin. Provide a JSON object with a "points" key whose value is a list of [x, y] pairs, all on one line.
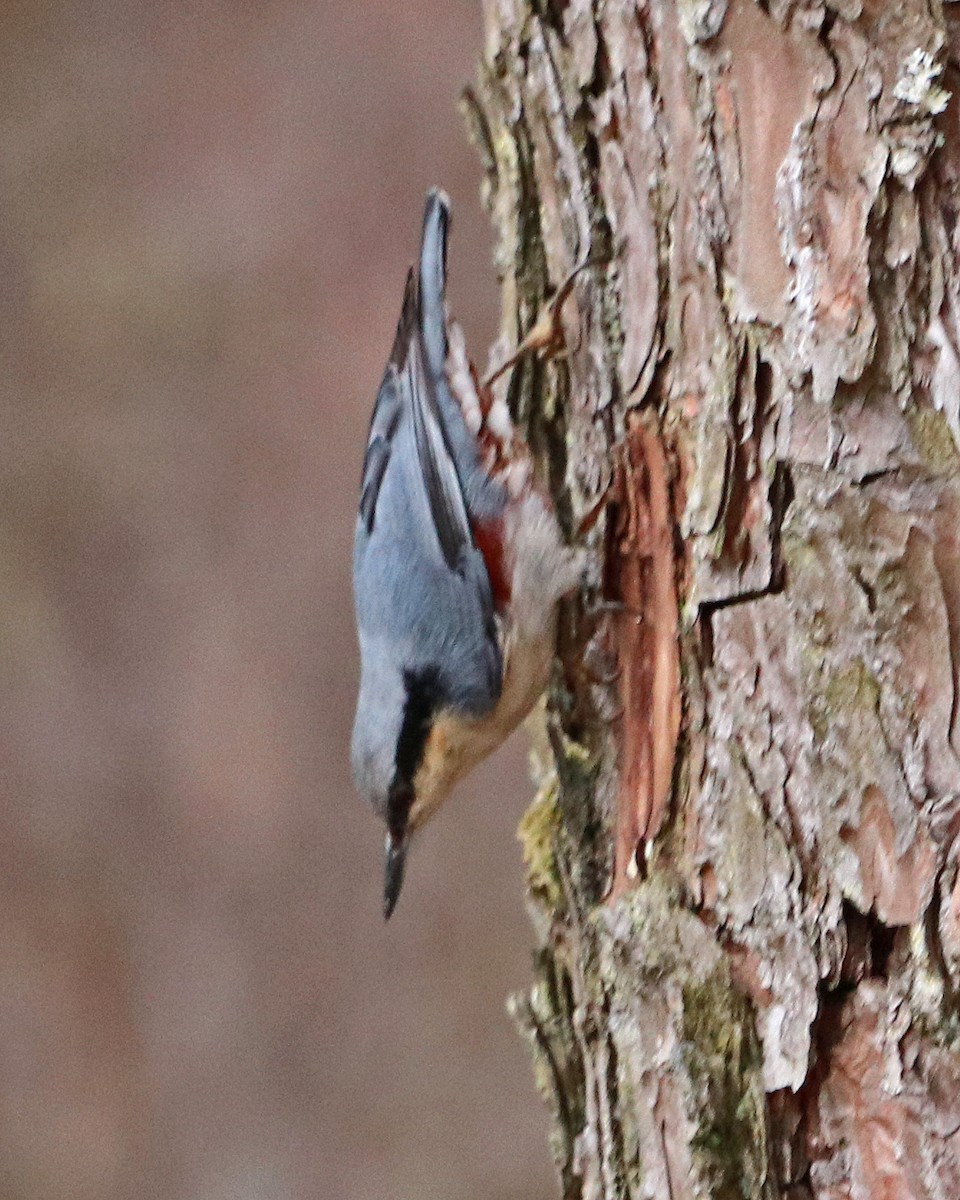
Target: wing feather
{"points": [[437, 469], [408, 385]]}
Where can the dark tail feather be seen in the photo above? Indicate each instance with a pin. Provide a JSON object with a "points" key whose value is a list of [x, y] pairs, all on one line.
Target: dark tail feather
{"points": [[433, 279], [484, 497], [407, 325]]}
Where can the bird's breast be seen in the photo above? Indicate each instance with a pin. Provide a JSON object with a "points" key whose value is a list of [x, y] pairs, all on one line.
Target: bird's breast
{"points": [[456, 744]]}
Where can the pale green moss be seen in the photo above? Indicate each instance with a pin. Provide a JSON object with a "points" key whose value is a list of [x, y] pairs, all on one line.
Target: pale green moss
{"points": [[723, 1058], [537, 833], [845, 693], [933, 440], [854, 689]]}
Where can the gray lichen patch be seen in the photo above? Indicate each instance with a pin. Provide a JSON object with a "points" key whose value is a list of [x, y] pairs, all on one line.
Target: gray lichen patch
{"points": [[650, 935], [918, 83]]}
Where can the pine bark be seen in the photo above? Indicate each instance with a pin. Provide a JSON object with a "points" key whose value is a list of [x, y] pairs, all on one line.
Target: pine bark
{"points": [[743, 860]]}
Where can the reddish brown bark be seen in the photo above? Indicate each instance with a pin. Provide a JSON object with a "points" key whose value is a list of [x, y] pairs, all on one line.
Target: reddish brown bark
{"points": [[642, 566]]}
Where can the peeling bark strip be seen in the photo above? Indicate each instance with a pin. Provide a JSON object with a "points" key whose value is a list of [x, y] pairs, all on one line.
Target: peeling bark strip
{"points": [[770, 1009], [641, 561]]}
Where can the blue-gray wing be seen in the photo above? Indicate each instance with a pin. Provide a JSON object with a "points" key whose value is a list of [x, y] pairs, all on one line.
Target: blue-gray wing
{"points": [[408, 391], [423, 594]]}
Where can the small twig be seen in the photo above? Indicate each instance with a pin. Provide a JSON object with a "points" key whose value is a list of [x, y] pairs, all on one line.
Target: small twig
{"points": [[546, 336]]}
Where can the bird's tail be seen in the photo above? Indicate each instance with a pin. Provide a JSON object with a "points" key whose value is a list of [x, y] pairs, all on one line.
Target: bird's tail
{"points": [[433, 280]]}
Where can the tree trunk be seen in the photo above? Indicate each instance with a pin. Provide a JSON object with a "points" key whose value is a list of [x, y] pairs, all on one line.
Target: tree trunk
{"points": [[743, 860]]}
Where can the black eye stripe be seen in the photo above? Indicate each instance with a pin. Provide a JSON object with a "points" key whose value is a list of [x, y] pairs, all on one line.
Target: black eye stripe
{"points": [[423, 696]]}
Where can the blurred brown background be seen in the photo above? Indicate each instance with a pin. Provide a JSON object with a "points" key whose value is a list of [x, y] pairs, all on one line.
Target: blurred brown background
{"points": [[206, 213]]}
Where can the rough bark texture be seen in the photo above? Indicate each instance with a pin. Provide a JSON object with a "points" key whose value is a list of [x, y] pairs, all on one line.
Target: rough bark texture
{"points": [[744, 861]]}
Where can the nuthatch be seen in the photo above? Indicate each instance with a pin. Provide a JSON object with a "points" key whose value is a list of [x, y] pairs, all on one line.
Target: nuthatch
{"points": [[458, 566]]}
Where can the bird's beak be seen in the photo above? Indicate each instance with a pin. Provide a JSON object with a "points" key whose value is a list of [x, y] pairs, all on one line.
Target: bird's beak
{"points": [[396, 856]]}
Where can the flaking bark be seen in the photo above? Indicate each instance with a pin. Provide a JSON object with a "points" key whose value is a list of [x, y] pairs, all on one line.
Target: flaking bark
{"points": [[743, 863]]}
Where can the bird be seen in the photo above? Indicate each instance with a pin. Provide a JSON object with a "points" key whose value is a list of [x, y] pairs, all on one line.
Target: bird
{"points": [[459, 565]]}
